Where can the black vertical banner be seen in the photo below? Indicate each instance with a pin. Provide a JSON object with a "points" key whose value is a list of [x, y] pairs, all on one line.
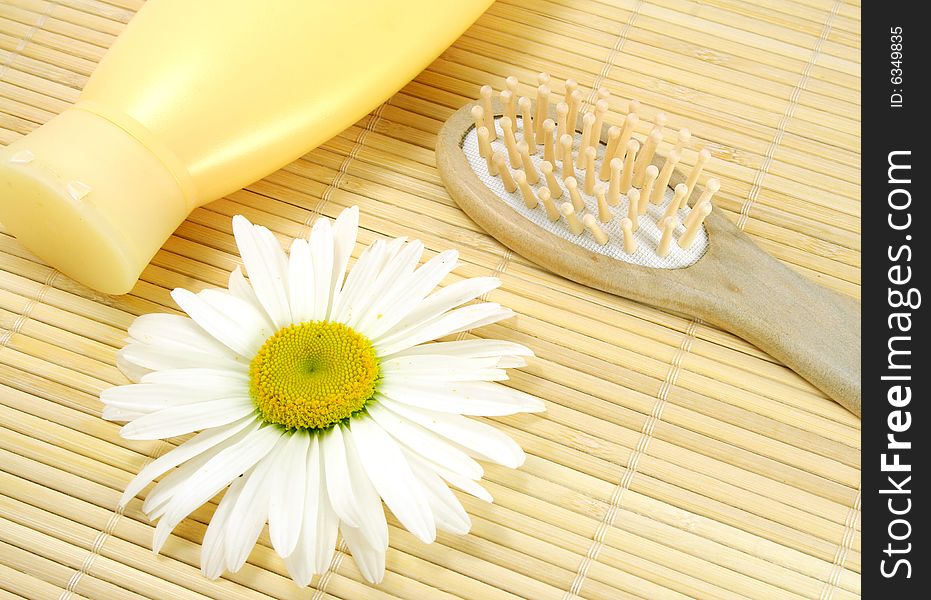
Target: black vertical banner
{"points": [[896, 453]]}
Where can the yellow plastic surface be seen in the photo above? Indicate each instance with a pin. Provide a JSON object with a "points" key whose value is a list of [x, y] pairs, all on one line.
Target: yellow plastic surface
{"points": [[220, 94]]}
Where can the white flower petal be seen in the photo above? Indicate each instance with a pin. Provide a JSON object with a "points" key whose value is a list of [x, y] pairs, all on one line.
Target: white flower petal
{"points": [[115, 413], [242, 289], [156, 358], [159, 341], [454, 321], [159, 497], [178, 420], [321, 252], [407, 293], [483, 439], [327, 531], [247, 314], [147, 398], [469, 486], [300, 566], [266, 266], [361, 276], [212, 554], [441, 301], [422, 442], [302, 561], [164, 389], [511, 362], [214, 382], [288, 487], [370, 560], [403, 263], [212, 477], [392, 477], [129, 368], [336, 472], [251, 510], [175, 331], [301, 281], [429, 368], [371, 512], [315, 549], [477, 348], [462, 365], [478, 398], [397, 269], [195, 446], [345, 231], [393, 248], [392, 274], [447, 510], [162, 531], [231, 320]]}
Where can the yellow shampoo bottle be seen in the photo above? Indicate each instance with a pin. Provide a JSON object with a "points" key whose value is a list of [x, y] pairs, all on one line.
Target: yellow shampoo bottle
{"points": [[196, 100]]}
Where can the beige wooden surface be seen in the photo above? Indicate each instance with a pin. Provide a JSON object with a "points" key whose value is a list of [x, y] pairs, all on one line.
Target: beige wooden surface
{"points": [[675, 460]]}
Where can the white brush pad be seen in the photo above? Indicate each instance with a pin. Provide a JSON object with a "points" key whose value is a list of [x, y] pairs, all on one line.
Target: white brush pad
{"points": [[647, 236]]}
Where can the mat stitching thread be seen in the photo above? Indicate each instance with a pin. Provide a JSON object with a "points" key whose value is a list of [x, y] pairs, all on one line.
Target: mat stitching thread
{"points": [[643, 443], [320, 589], [612, 55], [499, 270], [615, 502], [23, 317], [102, 536], [7, 335], [24, 41], [774, 144], [342, 170], [840, 556]]}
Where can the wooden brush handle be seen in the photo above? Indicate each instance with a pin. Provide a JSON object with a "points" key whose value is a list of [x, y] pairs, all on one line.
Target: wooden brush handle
{"points": [[814, 331]]}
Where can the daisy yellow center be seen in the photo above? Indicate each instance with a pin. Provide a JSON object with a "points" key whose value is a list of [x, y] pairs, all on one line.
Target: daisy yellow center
{"points": [[313, 375]]}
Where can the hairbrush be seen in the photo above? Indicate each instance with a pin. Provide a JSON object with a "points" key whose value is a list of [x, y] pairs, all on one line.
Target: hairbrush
{"points": [[611, 208]]}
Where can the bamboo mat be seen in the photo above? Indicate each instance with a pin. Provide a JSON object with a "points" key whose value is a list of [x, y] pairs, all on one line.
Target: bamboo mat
{"points": [[674, 461]]}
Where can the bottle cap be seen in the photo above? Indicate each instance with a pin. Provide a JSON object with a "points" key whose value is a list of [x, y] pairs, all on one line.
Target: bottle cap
{"points": [[89, 199]]}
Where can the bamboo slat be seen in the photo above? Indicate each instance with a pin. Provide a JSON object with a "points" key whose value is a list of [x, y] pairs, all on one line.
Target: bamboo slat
{"points": [[674, 461]]}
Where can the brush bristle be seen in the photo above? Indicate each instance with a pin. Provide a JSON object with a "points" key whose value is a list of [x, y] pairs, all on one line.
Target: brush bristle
{"points": [[544, 125]]}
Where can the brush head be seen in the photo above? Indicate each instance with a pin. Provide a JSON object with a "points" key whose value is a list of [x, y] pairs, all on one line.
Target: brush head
{"points": [[602, 169]]}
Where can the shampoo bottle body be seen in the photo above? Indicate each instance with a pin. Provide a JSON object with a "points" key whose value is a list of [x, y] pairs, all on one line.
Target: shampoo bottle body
{"points": [[196, 100]]}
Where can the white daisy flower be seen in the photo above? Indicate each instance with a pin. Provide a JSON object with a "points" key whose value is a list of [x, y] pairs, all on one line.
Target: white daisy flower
{"points": [[317, 397]]}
